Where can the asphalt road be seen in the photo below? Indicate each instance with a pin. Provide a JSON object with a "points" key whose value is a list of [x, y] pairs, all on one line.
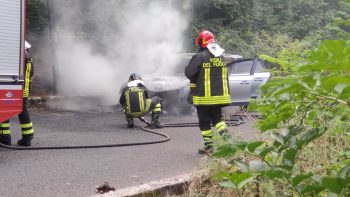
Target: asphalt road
{"points": [[75, 173]]}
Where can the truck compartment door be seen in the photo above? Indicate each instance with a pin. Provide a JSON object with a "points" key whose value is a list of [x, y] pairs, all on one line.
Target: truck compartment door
{"points": [[12, 23], [10, 100]]}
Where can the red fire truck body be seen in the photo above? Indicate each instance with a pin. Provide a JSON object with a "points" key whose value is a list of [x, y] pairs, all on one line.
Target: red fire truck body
{"points": [[12, 56]]}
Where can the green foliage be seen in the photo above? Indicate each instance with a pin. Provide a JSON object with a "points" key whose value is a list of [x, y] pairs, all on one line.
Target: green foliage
{"points": [[37, 17], [248, 28], [235, 180], [288, 57], [297, 109], [341, 23], [254, 27]]}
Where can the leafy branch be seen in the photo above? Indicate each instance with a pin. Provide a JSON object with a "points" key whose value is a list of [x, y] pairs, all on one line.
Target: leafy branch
{"points": [[297, 109]]}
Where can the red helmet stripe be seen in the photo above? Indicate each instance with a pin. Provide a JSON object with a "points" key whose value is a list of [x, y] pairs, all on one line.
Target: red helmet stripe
{"points": [[206, 37]]}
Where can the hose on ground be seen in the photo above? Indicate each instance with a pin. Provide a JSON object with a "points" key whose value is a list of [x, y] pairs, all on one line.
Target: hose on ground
{"points": [[230, 122], [163, 135]]}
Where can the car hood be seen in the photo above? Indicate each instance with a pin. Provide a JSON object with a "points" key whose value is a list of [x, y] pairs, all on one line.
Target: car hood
{"points": [[166, 83]]}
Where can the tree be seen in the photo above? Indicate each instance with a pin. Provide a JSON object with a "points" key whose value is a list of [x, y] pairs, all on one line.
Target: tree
{"points": [[244, 26], [37, 17]]}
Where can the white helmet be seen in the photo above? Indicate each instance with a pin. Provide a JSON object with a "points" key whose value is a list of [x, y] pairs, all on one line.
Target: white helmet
{"points": [[27, 45]]}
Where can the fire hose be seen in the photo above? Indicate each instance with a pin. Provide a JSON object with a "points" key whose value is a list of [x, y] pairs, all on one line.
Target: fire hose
{"points": [[146, 129]]}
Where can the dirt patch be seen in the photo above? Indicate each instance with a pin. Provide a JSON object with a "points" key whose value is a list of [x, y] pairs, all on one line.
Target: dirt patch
{"points": [[104, 188]]}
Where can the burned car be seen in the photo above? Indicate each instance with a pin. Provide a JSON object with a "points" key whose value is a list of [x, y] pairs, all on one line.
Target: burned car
{"points": [[246, 75]]}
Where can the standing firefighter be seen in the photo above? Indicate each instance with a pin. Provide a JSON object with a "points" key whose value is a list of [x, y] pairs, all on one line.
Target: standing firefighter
{"points": [[24, 118], [208, 76], [136, 103]]}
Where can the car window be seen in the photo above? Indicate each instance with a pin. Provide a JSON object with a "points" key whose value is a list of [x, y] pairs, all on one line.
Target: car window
{"points": [[259, 68], [243, 67]]}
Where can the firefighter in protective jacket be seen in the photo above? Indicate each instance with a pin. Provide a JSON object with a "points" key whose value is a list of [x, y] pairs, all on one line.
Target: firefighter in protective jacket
{"points": [[136, 103], [209, 85], [24, 118]]}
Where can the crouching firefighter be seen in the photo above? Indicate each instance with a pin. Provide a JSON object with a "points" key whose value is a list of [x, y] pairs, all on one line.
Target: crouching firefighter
{"points": [[136, 103], [209, 85], [24, 118]]}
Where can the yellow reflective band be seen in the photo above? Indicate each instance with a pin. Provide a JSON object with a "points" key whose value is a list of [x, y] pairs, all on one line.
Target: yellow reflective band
{"points": [[137, 114], [25, 93], [6, 132], [157, 108], [142, 101], [212, 100], [148, 104], [207, 133], [207, 88], [127, 98], [193, 85], [27, 79], [28, 125], [224, 81], [27, 132], [209, 84], [221, 126], [4, 124], [141, 104]]}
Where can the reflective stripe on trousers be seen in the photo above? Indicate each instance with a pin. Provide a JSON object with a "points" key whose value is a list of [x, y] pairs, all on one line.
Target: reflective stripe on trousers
{"points": [[5, 128], [221, 126], [207, 137], [26, 128]]}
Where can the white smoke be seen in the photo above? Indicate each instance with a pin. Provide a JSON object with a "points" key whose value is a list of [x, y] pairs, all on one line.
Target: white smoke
{"points": [[145, 38]]}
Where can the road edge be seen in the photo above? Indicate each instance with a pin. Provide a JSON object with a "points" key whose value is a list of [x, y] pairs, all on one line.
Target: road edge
{"points": [[166, 187]]}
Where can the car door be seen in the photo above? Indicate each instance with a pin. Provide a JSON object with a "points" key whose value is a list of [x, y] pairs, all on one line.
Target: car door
{"points": [[260, 77], [241, 79]]}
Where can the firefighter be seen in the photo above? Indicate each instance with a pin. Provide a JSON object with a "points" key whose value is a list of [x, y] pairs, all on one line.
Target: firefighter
{"points": [[209, 85], [136, 103], [24, 118]]}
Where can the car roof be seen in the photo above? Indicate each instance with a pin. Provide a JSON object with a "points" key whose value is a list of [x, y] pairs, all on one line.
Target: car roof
{"points": [[243, 59]]}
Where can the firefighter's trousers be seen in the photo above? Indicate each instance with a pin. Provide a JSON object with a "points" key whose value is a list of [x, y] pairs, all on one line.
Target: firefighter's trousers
{"points": [[210, 114], [156, 104], [24, 120], [155, 107]]}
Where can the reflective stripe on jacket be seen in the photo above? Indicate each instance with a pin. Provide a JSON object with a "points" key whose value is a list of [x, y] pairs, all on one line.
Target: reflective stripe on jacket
{"points": [[134, 100], [212, 87], [28, 74]]}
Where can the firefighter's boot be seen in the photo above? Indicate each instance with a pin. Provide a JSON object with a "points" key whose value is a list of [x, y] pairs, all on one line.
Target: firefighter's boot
{"points": [[207, 150], [208, 142], [221, 127], [155, 124], [5, 139], [26, 140], [130, 121], [225, 135]]}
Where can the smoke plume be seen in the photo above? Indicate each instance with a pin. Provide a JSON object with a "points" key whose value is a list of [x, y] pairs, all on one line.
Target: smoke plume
{"points": [[98, 44]]}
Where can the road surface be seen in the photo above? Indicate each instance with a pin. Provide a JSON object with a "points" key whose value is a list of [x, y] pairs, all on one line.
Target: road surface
{"points": [[78, 172]]}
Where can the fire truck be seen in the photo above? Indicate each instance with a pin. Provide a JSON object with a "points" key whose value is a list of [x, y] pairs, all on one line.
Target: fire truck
{"points": [[12, 57]]}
